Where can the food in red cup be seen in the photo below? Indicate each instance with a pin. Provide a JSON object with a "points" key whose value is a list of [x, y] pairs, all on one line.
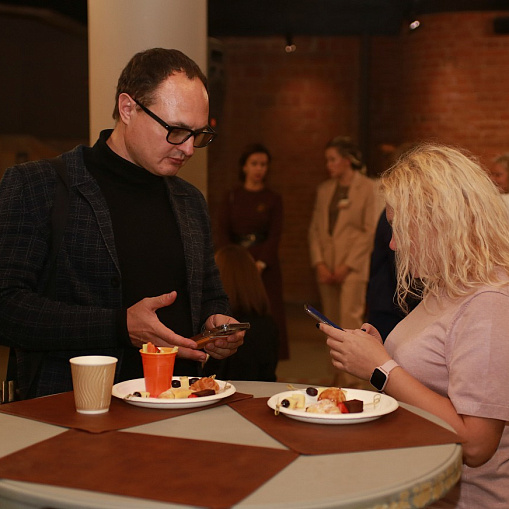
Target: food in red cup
{"points": [[158, 364]]}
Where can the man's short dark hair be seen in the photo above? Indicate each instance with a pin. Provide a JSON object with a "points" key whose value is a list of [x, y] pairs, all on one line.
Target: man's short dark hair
{"points": [[148, 69]]}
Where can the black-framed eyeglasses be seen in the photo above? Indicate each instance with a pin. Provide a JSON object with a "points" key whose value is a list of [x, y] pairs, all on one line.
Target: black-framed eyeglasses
{"points": [[178, 135]]}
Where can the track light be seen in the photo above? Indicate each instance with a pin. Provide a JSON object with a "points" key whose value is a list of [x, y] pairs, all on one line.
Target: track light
{"points": [[290, 45], [414, 25], [414, 9]]}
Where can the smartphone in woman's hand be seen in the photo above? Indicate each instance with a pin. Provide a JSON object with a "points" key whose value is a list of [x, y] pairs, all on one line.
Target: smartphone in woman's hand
{"points": [[311, 311]]}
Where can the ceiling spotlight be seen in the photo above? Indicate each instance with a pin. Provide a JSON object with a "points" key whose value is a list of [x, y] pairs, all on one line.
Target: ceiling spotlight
{"points": [[290, 46], [414, 25]]}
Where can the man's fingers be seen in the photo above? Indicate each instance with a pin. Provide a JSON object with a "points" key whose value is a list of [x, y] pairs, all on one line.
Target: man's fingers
{"points": [[161, 301]]}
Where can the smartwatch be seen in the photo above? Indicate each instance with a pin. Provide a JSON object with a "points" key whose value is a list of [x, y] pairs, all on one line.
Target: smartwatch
{"points": [[380, 375]]}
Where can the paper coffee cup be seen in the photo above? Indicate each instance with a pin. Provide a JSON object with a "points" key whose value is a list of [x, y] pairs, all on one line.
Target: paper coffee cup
{"points": [[92, 380], [158, 370]]}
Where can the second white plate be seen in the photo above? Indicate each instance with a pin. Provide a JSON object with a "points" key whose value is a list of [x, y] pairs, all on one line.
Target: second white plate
{"points": [[375, 405], [123, 389]]}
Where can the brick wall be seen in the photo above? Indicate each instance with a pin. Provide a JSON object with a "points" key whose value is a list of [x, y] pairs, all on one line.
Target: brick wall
{"points": [[293, 103], [447, 81], [452, 84]]}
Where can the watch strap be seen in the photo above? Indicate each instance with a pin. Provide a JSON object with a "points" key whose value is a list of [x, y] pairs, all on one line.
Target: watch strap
{"points": [[380, 375], [388, 366]]}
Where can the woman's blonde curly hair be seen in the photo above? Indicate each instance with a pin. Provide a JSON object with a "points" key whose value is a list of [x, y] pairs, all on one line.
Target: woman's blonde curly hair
{"points": [[450, 225]]}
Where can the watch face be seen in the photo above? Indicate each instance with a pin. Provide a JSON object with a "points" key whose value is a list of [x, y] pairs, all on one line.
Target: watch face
{"points": [[378, 379]]}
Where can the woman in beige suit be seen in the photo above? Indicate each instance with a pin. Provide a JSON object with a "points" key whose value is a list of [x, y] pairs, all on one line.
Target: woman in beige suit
{"points": [[341, 234]]}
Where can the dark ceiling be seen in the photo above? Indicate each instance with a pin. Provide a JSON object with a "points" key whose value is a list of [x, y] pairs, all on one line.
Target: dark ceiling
{"points": [[297, 17]]}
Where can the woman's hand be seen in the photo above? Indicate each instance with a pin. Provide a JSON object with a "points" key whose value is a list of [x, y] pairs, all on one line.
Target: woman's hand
{"points": [[323, 274], [261, 266], [341, 272], [358, 351]]}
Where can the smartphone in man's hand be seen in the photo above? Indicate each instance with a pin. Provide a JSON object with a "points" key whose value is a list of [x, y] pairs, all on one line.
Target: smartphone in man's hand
{"points": [[221, 331]]}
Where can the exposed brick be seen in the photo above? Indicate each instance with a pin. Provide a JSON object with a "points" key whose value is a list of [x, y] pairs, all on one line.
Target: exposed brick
{"points": [[448, 81]]}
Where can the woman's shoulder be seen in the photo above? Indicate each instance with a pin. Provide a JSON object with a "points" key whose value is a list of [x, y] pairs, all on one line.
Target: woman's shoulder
{"points": [[273, 196], [483, 299], [501, 289], [363, 180], [270, 192], [326, 184], [265, 195], [233, 194]]}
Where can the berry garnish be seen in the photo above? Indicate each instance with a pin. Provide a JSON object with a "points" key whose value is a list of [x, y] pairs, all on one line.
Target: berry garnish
{"points": [[311, 391]]}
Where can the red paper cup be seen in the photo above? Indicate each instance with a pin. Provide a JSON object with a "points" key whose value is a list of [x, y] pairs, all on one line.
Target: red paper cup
{"points": [[158, 370]]}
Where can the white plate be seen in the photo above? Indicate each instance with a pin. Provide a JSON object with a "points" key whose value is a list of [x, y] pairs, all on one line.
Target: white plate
{"points": [[122, 389], [385, 405]]}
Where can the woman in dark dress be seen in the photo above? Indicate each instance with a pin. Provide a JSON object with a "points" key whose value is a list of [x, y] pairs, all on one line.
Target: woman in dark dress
{"points": [[257, 358], [252, 216]]}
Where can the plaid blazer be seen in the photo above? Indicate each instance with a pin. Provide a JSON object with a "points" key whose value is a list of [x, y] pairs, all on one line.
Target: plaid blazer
{"points": [[83, 317]]}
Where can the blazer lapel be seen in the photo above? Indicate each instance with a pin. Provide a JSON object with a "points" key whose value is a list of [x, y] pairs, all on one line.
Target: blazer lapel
{"points": [[88, 188], [328, 193], [352, 192], [182, 205]]}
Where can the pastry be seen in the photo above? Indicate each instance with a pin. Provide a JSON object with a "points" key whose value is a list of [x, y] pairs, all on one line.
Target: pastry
{"points": [[324, 406], [333, 393], [207, 382]]}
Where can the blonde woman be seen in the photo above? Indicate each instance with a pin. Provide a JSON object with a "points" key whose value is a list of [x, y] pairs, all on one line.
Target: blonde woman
{"points": [[450, 355]]}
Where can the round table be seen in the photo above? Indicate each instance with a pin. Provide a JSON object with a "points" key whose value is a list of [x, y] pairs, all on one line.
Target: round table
{"points": [[404, 477]]}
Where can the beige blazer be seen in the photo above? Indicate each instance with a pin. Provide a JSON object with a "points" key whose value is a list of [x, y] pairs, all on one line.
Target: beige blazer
{"points": [[351, 241]]}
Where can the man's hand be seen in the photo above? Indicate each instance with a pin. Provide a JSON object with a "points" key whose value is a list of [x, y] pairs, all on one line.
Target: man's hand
{"points": [[220, 348], [144, 325]]}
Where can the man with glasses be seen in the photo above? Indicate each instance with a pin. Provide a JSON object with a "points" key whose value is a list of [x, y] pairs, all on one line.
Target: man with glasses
{"points": [[136, 261]]}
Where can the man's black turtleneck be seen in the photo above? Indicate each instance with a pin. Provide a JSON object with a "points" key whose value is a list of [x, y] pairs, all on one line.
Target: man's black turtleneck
{"points": [[147, 240]]}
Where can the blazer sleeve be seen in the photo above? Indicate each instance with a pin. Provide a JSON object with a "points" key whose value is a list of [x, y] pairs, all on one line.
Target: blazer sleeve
{"points": [[359, 253], [27, 318], [316, 227]]}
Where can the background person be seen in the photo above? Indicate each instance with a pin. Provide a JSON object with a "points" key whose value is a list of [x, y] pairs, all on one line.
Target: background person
{"points": [[251, 215], [341, 236], [258, 357], [451, 236], [136, 262], [382, 309], [499, 173]]}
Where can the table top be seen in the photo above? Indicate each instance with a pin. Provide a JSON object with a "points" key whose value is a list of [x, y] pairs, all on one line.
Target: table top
{"points": [[348, 480]]}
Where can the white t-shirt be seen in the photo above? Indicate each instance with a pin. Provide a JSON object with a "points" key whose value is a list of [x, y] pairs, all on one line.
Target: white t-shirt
{"points": [[461, 351]]}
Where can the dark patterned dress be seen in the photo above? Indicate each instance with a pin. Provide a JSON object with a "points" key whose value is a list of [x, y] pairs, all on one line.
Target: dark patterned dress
{"points": [[255, 219]]}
